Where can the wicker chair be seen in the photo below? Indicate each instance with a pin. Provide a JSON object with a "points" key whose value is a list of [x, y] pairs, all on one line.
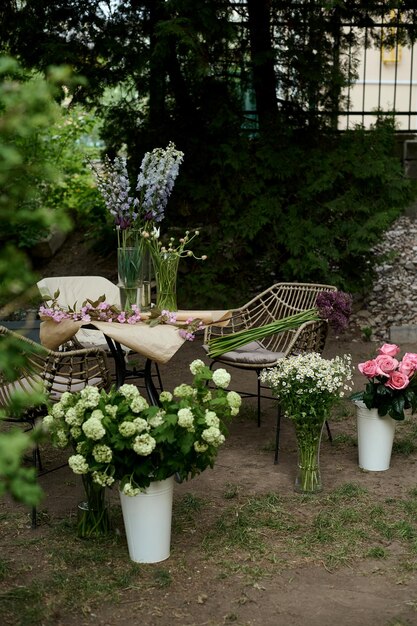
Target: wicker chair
{"points": [[278, 301], [54, 372], [73, 291]]}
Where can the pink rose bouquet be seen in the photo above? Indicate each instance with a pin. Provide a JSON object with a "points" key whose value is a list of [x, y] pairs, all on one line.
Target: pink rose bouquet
{"points": [[392, 384]]}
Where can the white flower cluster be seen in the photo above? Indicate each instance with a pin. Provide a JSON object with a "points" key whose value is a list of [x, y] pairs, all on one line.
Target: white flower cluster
{"points": [[138, 404], [127, 429], [211, 419], [130, 490], [186, 419], [141, 425], [102, 479], [91, 396], [130, 392], [234, 401], [200, 447], [93, 428], [221, 378], [157, 419], [196, 366], [102, 453], [144, 444], [213, 436], [73, 418], [165, 396], [310, 373], [78, 464], [184, 391], [104, 428]]}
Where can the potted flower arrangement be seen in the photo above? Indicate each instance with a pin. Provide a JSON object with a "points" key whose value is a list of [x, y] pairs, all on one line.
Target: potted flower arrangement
{"points": [[308, 386], [165, 259], [117, 436], [137, 214], [390, 390]]}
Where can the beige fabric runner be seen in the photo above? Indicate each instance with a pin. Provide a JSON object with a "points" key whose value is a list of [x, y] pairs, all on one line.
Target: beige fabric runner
{"points": [[158, 343]]}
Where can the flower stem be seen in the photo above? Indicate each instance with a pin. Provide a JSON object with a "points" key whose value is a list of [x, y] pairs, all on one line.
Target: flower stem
{"points": [[308, 477], [93, 514], [226, 343], [166, 270]]}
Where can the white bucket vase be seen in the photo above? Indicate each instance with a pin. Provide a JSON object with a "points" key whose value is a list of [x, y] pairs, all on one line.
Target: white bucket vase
{"points": [[375, 438], [147, 519]]}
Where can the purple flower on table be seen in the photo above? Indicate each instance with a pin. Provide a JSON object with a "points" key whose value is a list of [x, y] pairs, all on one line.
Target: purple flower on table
{"points": [[56, 314], [135, 317], [186, 334], [168, 317]]}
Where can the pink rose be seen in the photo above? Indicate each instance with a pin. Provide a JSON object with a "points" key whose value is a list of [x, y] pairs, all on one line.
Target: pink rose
{"points": [[407, 366], [412, 357], [385, 364], [390, 349], [397, 380], [369, 368]]}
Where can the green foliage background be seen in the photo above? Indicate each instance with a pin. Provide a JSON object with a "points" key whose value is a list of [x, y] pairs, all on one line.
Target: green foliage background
{"points": [[277, 194], [27, 109]]}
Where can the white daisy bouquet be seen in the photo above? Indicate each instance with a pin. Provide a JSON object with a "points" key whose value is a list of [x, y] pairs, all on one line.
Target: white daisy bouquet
{"points": [[307, 387], [117, 436]]}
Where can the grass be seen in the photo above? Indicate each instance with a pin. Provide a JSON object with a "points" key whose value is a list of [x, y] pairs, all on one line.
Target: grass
{"points": [[349, 525], [235, 537], [405, 442]]}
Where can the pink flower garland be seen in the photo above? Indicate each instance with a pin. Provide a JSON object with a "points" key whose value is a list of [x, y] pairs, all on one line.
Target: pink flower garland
{"points": [[105, 312]]}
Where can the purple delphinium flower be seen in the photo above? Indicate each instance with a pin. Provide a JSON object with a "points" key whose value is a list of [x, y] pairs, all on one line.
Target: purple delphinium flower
{"points": [[336, 307], [114, 186], [155, 181]]}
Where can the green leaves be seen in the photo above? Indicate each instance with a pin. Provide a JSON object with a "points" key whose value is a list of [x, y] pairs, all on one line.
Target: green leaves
{"points": [[19, 481]]}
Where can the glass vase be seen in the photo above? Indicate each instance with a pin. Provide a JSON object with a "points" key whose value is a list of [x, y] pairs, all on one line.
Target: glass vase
{"points": [[308, 479], [93, 518], [166, 271], [134, 277]]}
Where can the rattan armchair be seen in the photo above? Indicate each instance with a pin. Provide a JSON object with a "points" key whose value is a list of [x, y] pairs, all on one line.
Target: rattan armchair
{"points": [[278, 301], [52, 372]]}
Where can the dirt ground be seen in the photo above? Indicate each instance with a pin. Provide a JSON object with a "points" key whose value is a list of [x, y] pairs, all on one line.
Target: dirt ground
{"points": [[364, 592]]}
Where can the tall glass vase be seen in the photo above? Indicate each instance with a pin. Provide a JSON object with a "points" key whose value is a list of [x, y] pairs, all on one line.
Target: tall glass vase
{"points": [[134, 277], [308, 479], [166, 270], [93, 514]]}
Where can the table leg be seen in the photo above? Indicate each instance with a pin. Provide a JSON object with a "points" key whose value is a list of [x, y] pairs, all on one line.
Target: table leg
{"points": [[119, 360], [149, 384], [121, 370]]}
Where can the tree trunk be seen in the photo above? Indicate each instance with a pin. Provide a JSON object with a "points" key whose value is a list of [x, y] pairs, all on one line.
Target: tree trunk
{"points": [[157, 71], [262, 53]]}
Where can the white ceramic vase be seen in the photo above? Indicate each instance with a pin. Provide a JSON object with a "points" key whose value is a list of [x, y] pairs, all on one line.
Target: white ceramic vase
{"points": [[375, 438], [147, 519]]}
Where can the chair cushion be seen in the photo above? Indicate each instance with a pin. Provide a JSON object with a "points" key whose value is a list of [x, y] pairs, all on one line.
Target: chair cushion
{"points": [[60, 385], [252, 353]]}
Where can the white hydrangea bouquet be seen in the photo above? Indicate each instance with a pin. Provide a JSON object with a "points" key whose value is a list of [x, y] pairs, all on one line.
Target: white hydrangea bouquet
{"points": [[307, 387], [117, 436]]}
